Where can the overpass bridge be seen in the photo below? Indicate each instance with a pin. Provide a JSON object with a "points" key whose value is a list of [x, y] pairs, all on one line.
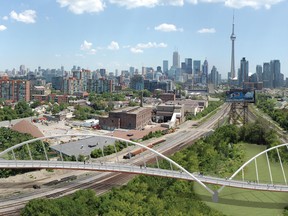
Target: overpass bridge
{"points": [[11, 159]]}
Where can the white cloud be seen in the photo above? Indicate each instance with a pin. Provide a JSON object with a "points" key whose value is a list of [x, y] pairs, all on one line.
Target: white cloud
{"points": [[27, 16], [139, 48], [136, 50], [3, 28], [146, 3], [92, 51], [86, 45], [207, 30], [135, 3], [113, 46], [83, 6], [256, 4], [5, 18], [167, 28], [151, 45]]}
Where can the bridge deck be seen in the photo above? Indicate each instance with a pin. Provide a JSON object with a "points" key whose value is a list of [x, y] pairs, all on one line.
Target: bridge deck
{"points": [[128, 168]]}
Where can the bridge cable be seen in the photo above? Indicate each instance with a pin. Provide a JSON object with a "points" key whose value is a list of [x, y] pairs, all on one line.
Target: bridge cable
{"points": [[283, 172], [256, 167], [116, 153], [30, 155], [268, 162]]}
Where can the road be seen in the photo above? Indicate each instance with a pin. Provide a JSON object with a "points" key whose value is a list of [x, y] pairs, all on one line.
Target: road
{"points": [[185, 135]]}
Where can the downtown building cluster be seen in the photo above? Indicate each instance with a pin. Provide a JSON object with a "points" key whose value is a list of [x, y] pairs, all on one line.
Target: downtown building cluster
{"points": [[267, 75], [79, 82]]}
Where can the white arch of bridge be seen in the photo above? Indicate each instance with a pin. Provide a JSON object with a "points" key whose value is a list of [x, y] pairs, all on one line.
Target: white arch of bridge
{"points": [[255, 158], [116, 138]]}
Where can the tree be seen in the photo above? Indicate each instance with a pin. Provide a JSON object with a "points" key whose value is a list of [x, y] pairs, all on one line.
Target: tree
{"points": [[23, 110]]}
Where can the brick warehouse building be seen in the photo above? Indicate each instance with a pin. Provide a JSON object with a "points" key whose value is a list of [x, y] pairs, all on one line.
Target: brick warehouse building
{"points": [[128, 118], [14, 90]]}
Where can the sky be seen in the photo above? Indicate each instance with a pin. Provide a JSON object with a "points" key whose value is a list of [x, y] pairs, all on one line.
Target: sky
{"points": [[117, 34]]}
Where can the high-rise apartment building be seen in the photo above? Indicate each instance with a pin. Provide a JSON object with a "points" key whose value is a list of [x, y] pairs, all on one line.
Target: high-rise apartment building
{"points": [[14, 90]]}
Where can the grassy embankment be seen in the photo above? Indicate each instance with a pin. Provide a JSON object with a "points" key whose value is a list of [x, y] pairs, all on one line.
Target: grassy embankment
{"points": [[238, 202]]}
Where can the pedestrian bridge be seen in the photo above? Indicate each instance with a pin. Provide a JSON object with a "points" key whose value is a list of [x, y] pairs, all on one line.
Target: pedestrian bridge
{"points": [[15, 158]]}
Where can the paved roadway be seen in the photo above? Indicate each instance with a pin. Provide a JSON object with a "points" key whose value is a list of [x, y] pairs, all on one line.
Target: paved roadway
{"points": [[13, 122]]}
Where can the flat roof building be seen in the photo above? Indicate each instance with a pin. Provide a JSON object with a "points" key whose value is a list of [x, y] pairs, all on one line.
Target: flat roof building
{"points": [[128, 118]]}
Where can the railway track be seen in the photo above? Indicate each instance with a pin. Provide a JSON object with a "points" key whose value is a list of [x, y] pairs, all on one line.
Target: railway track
{"points": [[110, 180]]}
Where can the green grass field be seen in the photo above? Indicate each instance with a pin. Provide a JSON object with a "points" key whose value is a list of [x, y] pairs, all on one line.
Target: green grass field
{"points": [[234, 201]]}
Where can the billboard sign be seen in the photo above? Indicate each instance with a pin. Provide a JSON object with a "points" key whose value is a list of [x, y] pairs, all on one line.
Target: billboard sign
{"points": [[240, 95]]}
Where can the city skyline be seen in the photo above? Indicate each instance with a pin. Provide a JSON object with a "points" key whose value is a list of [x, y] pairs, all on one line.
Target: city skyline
{"points": [[119, 34]]}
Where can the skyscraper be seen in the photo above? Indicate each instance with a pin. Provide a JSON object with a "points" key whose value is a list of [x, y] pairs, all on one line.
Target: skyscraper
{"points": [[196, 67], [259, 71], [165, 67], [214, 76], [233, 38], [267, 78], [176, 59], [205, 69], [243, 73], [275, 70], [188, 63]]}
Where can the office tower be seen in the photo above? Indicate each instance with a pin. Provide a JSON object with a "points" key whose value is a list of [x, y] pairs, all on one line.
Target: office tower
{"points": [[243, 72], [144, 71], [196, 67], [165, 67], [196, 71], [62, 71], [183, 67], [259, 71], [131, 71], [176, 59], [267, 78], [233, 38], [205, 69], [275, 70], [22, 70], [188, 64], [214, 76], [103, 72]]}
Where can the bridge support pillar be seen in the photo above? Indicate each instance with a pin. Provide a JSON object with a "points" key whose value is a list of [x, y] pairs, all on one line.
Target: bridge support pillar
{"points": [[215, 197]]}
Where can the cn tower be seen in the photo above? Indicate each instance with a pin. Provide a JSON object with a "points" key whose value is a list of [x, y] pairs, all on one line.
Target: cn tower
{"points": [[233, 38]]}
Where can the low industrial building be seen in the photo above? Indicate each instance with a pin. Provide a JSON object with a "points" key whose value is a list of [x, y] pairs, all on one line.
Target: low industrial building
{"points": [[128, 118], [173, 112]]}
